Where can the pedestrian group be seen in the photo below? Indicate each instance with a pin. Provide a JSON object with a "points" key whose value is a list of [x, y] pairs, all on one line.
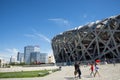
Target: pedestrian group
{"points": [[93, 68]]}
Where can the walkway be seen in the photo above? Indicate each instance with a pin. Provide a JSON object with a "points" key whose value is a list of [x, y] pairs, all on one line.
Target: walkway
{"points": [[107, 72]]}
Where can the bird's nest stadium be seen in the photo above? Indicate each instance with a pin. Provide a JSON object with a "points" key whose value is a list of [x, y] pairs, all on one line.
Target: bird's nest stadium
{"points": [[96, 40]]}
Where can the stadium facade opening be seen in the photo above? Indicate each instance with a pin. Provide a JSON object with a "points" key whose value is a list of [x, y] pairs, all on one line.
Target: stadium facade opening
{"points": [[98, 40]]}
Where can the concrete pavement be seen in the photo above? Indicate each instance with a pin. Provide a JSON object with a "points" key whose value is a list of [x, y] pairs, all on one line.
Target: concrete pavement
{"points": [[107, 72]]}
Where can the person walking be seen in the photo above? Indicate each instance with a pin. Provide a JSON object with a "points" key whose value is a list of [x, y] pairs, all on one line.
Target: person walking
{"points": [[96, 70], [92, 69], [77, 69]]}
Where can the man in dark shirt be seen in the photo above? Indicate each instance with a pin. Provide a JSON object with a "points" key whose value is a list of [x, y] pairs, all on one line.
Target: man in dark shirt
{"points": [[77, 69]]}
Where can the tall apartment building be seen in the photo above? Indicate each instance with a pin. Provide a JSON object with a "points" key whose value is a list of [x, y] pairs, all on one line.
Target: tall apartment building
{"points": [[12, 59], [43, 57], [28, 50], [37, 58], [20, 57]]}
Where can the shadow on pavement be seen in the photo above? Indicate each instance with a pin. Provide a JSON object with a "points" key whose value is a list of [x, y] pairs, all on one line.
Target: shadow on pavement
{"points": [[88, 76], [70, 78]]}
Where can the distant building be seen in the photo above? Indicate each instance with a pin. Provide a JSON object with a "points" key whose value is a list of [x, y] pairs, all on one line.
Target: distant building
{"points": [[43, 57], [2, 63], [28, 50], [12, 59], [35, 58], [20, 57], [51, 59], [38, 58]]}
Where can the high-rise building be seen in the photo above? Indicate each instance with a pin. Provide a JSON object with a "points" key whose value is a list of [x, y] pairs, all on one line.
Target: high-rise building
{"points": [[28, 50], [35, 57], [12, 59], [20, 57], [43, 57]]}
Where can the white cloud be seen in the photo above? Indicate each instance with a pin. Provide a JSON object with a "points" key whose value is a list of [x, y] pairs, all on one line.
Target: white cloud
{"points": [[30, 35], [85, 16], [60, 21], [50, 52], [4, 55], [7, 53], [43, 37], [1, 55], [38, 35], [12, 51]]}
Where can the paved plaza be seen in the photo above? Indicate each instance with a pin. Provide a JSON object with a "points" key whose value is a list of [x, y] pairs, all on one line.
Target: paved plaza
{"points": [[107, 72]]}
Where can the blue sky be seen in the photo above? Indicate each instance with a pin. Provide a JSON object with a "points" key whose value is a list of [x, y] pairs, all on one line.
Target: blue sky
{"points": [[36, 22]]}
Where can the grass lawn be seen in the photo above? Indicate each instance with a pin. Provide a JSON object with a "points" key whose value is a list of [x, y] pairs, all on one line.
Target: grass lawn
{"points": [[24, 74]]}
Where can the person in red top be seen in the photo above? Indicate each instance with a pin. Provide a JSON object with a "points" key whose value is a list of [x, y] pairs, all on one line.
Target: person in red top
{"points": [[92, 69]]}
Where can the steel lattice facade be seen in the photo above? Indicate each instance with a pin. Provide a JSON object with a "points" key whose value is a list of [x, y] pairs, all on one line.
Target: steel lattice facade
{"points": [[98, 40]]}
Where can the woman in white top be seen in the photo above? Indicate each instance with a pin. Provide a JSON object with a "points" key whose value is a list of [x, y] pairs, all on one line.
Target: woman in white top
{"points": [[96, 70]]}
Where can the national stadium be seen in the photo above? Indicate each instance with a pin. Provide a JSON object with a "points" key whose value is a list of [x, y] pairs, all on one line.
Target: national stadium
{"points": [[96, 40]]}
